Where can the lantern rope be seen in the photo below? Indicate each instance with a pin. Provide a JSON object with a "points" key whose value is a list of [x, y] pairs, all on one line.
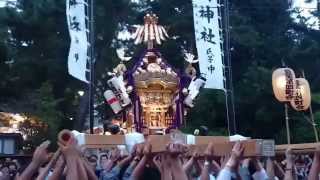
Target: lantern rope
{"points": [[309, 120]]}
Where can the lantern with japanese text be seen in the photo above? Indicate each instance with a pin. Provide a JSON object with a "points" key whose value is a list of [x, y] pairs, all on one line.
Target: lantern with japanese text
{"points": [[283, 83], [302, 96]]}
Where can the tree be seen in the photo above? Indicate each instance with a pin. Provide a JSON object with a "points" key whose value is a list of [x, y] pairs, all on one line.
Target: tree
{"points": [[34, 47]]}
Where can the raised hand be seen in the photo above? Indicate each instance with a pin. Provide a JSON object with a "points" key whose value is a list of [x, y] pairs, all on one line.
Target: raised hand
{"points": [[147, 150], [176, 149], [257, 164], [70, 148], [58, 169], [233, 163], [173, 152], [60, 162], [224, 159], [289, 165], [236, 155], [139, 149], [289, 154], [163, 163], [237, 150], [134, 150], [115, 154], [41, 155], [209, 152], [75, 165], [315, 167], [157, 160], [208, 155]]}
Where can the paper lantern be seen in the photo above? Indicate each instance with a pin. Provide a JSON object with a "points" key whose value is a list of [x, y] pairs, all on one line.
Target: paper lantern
{"points": [[302, 95], [283, 84], [113, 101]]}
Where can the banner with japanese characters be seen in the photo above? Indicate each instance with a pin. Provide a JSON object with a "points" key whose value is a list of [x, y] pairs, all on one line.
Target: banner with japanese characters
{"points": [[208, 33], [78, 53]]}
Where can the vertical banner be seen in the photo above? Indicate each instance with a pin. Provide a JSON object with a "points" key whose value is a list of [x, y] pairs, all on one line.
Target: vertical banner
{"points": [[77, 59], [209, 42]]}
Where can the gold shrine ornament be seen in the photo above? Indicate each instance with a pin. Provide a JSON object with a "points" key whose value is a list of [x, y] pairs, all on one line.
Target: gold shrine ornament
{"points": [[151, 31], [302, 95], [283, 84]]}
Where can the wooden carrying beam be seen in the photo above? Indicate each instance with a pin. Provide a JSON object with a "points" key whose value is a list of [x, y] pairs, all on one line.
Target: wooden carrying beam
{"points": [[98, 141], [159, 142], [222, 145], [104, 140], [297, 148], [252, 148]]}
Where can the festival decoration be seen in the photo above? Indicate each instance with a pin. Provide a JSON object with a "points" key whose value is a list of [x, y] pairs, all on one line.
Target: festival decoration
{"points": [[283, 84], [302, 96], [190, 70], [78, 53], [150, 31], [208, 33], [121, 55], [196, 82], [113, 101], [194, 89], [152, 95], [118, 86]]}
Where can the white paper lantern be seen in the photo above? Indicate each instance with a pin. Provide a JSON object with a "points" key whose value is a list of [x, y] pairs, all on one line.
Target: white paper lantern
{"points": [[302, 95], [113, 101], [283, 84]]}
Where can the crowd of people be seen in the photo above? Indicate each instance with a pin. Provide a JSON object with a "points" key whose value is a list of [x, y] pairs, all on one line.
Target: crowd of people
{"points": [[72, 163], [9, 167]]}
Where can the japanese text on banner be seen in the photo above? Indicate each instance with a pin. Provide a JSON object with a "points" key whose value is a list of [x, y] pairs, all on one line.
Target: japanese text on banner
{"points": [[209, 42]]}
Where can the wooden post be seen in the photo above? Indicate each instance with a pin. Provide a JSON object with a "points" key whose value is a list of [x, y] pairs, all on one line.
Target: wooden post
{"points": [[312, 117], [287, 123], [314, 124]]}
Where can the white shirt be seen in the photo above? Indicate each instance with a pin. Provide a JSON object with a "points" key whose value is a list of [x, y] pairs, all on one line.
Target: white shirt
{"points": [[211, 177], [260, 175], [225, 174]]}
